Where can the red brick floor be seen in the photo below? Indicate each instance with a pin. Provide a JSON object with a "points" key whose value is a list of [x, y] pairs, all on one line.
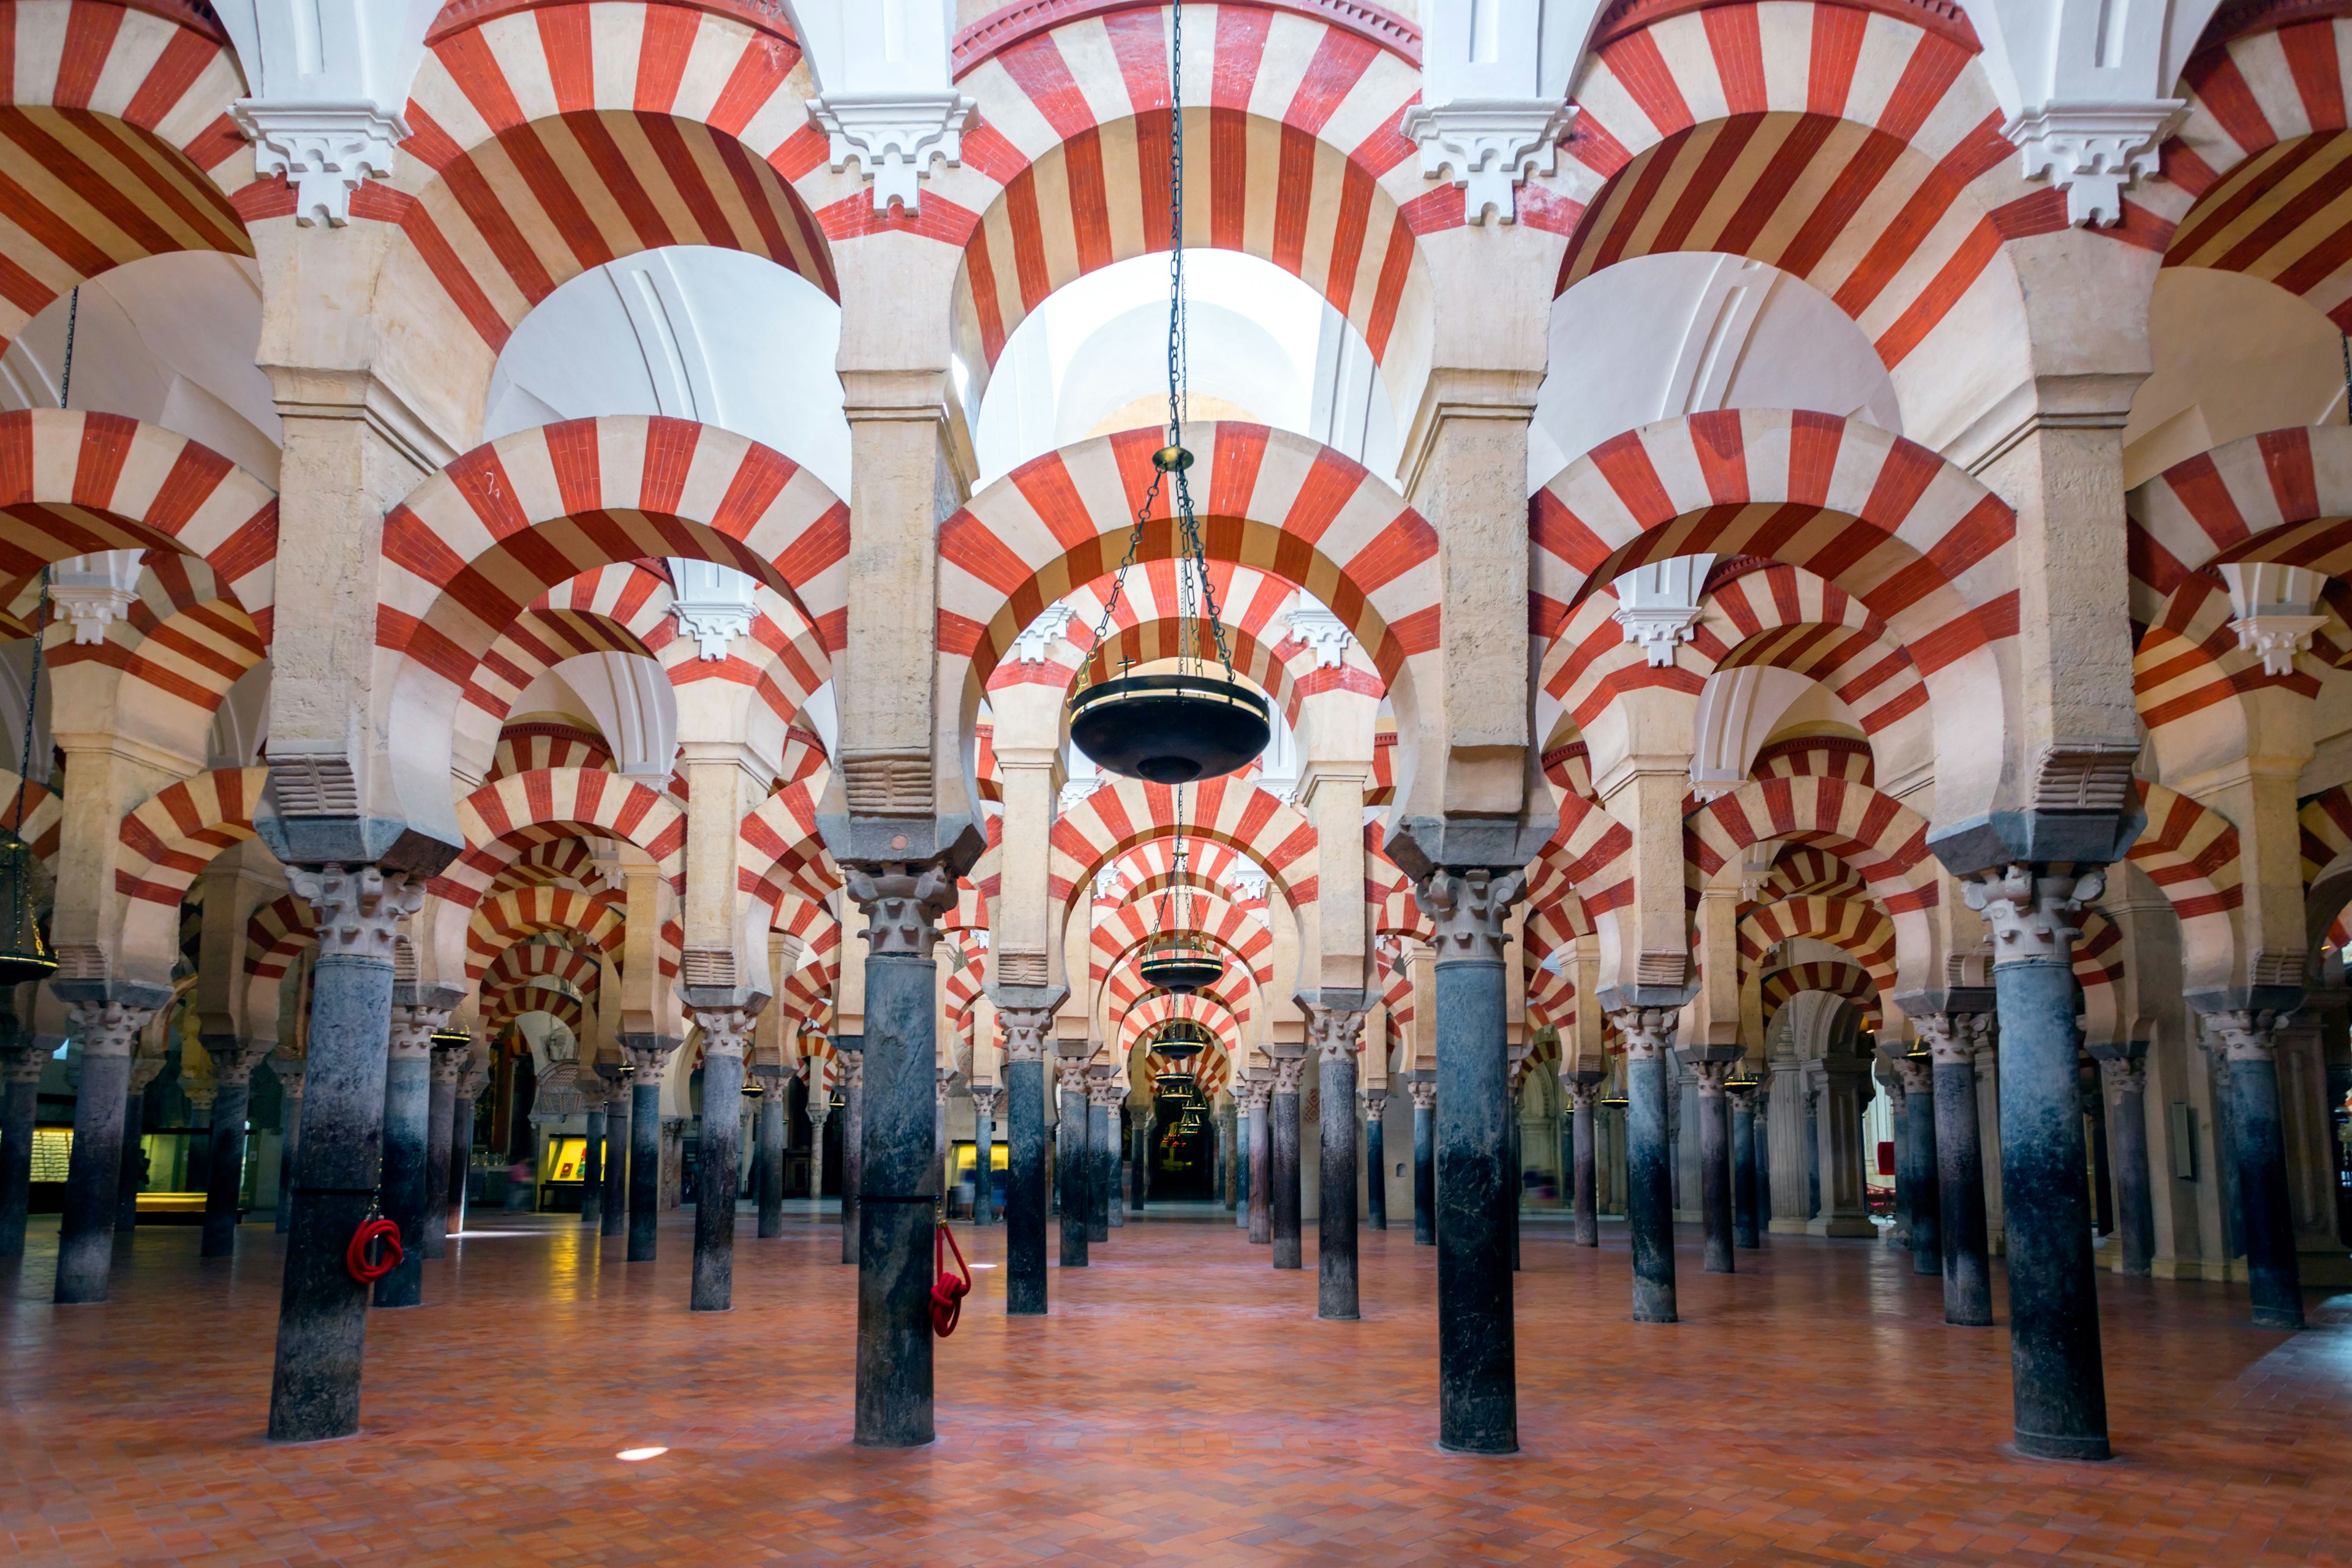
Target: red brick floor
{"points": [[1182, 1405]]}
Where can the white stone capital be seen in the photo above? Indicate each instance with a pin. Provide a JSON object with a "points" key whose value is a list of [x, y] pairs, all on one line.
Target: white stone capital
{"points": [[1470, 909], [1319, 631], [107, 1028], [2028, 913], [1648, 1032], [726, 1031], [1490, 146], [894, 136], [903, 903], [93, 592], [2093, 151], [1658, 628], [1035, 643], [324, 149], [1024, 1030], [358, 908], [2244, 1035]]}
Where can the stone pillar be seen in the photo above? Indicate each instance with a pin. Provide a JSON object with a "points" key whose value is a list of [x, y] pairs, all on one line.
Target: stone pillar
{"points": [[1334, 1031], [1714, 1158], [619, 1103], [1477, 1392], [1744, 1227], [1024, 1030], [984, 1098], [2059, 1386], [1763, 1159], [1843, 1084], [648, 1057], [322, 1312], [1649, 1036], [1952, 1039], [726, 1032], [1920, 1155], [1898, 1234], [1071, 1174], [1376, 1183], [471, 1081], [2123, 1071], [1142, 1193], [591, 1166], [1103, 1096], [233, 1064], [942, 1079], [289, 1070], [1115, 1153], [768, 1149], [2247, 1043], [20, 1088], [416, 1012], [851, 1053], [1283, 1195], [145, 1070], [1261, 1160], [448, 1063], [1422, 1087], [1583, 1089], [1812, 1154], [108, 1032], [1230, 1163]]}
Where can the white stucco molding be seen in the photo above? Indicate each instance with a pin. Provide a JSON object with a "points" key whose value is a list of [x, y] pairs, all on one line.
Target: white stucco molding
{"points": [[329, 79], [1494, 95], [2094, 152], [714, 605], [1658, 605], [2271, 605], [93, 592], [1318, 630], [1490, 147], [895, 137]]}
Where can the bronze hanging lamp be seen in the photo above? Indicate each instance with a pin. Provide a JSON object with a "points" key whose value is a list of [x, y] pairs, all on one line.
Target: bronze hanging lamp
{"points": [[1179, 958], [1200, 722], [24, 954], [1181, 1040]]}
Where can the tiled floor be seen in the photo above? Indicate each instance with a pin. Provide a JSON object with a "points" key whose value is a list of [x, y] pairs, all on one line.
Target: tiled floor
{"points": [[1182, 1405]]}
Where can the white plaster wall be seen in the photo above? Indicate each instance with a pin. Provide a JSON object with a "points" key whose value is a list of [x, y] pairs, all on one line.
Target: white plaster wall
{"points": [[2234, 356]]}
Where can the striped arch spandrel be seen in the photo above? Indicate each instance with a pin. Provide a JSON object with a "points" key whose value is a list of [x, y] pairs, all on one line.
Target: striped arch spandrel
{"points": [[1921, 545], [163, 843], [1856, 148], [1121, 816], [477, 544]]}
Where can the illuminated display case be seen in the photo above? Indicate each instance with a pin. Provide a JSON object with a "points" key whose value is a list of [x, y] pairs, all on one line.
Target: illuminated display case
{"points": [[567, 1159]]}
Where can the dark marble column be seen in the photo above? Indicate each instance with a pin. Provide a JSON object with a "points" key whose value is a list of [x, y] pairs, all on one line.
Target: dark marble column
{"points": [[132, 1171], [407, 1104], [1102, 1148], [852, 1053], [620, 1098], [591, 1165], [1115, 1149], [449, 1053], [2247, 1043], [289, 1132], [20, 1089], [1422, 1087], [2059, 1385], [233, 1064], [1583, 1089], [1714, 1196], [1886, 1074], [1478, 1366], [107, 1033], [649, 1058], [1376, 1174], [1763, 1161], [1244, 1120], [1648, 1035], [1335, 1029], [768, 1155], [1746, 1230], [1812, 1150], [322, 1312], [1513, 1174], [1231, 1165], [472, 1079], [2123, 1067], [1141, 1195], [899, 1168], [1953, 1040], [1261, 1160], [1025, 1032], [726, 1033], [1283, 1205], [985, 1099], [1071, 1174], [1919, 1157]]}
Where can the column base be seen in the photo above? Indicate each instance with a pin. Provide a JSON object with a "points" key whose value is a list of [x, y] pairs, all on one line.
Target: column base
{"points": [[1854, 1227], [2078, 1450]]}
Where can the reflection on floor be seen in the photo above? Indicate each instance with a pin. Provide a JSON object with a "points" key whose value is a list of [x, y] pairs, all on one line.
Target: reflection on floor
{"points": [[1182, 1405]]}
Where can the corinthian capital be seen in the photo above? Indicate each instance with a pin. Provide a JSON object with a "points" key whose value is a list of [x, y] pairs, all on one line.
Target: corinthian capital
{"points": [[1024, 1030], [984, 1096], [21, 1064], [648, 1055], [1470, 909], [107, 1028], [1648, 1032], [413, 1028], [726, 1031], [903, 903], [1334, 1031], [1423, 1092], [1952, 1038], [1288, 1072], [358, 908], [2243, 1035], [2029, 911]]}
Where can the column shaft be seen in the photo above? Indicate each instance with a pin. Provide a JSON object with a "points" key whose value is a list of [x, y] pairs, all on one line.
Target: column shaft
{"points": [[441, 1099], [1376, 1185], [19, 1104], [1102, 1145], [1649, 1186], [853, 1146], [461, 1153], [1959, 1188], [1287, 1251], [615, 1221], [2136, 1210], [770, 1157], [592, 1170], [1260, 1174], [407, 1099], [225, 1172], [2266, 1221], [1587, 1212], [1072, 1175], [1024, 1188], [714, 1198], [1477, 1391], [133, 1168], [898, 1197], [1334, 1222], [290, 1142], [93, 1176], [1920, 1153], [1424, 1172], [1714, 1174], [644, 1165], [1744, 1229]]}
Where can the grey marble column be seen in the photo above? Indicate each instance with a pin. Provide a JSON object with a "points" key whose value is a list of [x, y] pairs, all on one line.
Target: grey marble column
{"points": [[1649, 1035], [107, 1033], [1103, 1136], [1142, 1193], [1072, 1173], [985, 1099], [726, 1036], [1335, 1029], [2123, 1070], [817, 1107], [1919, 1157], [1422, 1087], [1709, 1073], [416, 1012], [450, 1054], [1746, 1233], [144, 1069], [768, 1150], [472, 1079], [619, 1102], [2246, 1044], [1261, 1159], [1583, 1089], [1376, 1183], [20, 1088], [1953, 1040], [233, 1064], [851, 1050], [289, 1071], [1230, 1164], [648, 1056], [1027, 1032], [1283, 1205]]}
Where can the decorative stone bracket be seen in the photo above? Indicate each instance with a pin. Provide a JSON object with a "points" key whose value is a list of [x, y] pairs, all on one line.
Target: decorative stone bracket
{"points": [[358, 908], [1470, 909], [1489, 146], [1648, 1032], [324, 149], [2028, 913], [2093, 151], [2244, 1035], [894, 136]]}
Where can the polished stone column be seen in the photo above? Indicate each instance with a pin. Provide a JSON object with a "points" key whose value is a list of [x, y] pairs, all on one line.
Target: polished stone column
{"points": [[1103, 1096], [1883, 1072], [233, 1064], [289, 1072], [942, 1079], [107, 1031], [1919, 1157], [1513, 1174], [2059, 1384], [1025, 1031], [145, 1070], [472, 1079], [1334, 1031], [726, 1034], [768, 1149], [1072, 1175], [2247, 1043], [1812, 1151], [448, 1065], [2123, 1071], [899, 1168], [1715, 1205], [1142, 1193], [1376, 1183], [407, 1104], [1422, 1087], [1260, 1104], [650, 1057], [1478, 1367], [619, 1098], [1231, 1163], [1952, 1040], [322, 1312], [985, 1099], [1746, 1232], [1284, 1196], [852, 1055], [1649, 1035], [1583, 1089], [20, 1089]]}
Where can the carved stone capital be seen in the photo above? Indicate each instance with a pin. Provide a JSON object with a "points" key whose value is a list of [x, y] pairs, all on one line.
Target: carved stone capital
{"points": [[1711, 1077], [1423, 1092], [1648, 1032], [449, 1060], [726, 1031], [358, 908], [2029, 911], [107, 1028], [647, 1056], [1375, 1103], [1918, 1076], [894, 136], [1108, 1091], [1024, 1030], [985, 1099], [942, 1078], [233, 1059], [2094, 152], [21, 1064], [2122, 1076], [2244, 1036], [852, 1070], [1471, 909], [1334, 1031], [324, 149], [903, 901], [819, 1107], [476, 1078], [1490, 146], [1070, 1076], [1583, 1091], [1288, 1072], [412, 1029], [1250, 1095], [1952, 1038]]}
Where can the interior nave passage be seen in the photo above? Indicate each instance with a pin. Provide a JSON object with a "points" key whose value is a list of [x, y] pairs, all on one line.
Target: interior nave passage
{"points": [[555, 557]]}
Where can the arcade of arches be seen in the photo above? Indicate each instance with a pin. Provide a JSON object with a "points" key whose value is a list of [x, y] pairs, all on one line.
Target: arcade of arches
{"points": [[1797, 552]]}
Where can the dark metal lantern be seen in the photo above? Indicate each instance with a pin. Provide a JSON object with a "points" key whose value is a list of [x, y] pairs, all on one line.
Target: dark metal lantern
{"points": [[1181, 962], [23, 954], [1170, 729]]}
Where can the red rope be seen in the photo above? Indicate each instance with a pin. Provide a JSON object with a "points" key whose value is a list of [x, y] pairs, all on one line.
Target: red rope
{"points": [[355, 1256], [947, 1291]]}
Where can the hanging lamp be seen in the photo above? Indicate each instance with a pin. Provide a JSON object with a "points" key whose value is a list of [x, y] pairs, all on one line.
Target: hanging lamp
{"points": [[1200, 722], [1181, 1041], [1178, 958]]}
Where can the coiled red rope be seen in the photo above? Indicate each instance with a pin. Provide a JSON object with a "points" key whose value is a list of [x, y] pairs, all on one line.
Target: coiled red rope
{"points": [[355, 1256], [947, 1291]]}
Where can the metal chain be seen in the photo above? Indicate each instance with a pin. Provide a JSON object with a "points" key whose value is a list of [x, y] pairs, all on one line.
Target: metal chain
{"points": [[32, 700], [65, 378]]}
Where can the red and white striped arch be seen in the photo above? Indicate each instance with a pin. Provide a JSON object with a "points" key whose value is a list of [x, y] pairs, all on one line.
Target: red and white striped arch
{"points": [[1861, 929], [523, 748], [577, 967], [1799, 870], [1850, 981], [182, 638], [476, 544], [276, 933], [2191, 852], [502, 819], [1845, 146], [1817, 756], [1163, 1008], [1243, 934], [535, 642], [1118, 817], [2099, 971], [521, 913], [2281, 495], [164, 842], [780, 858], [549, 139], [2188, 669], [115, 144], [1587, 859], [1292, 155], [74, 484]]}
